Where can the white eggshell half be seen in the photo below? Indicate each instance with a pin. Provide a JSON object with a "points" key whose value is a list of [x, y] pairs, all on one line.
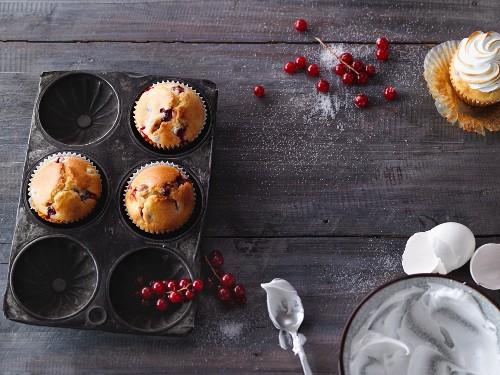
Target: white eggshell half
{"points": [[454, 245], [419, 256], [485, 266]]}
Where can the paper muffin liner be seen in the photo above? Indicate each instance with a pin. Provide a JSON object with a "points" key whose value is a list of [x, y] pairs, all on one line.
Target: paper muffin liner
{"points": [[447, 100], [173, 147], [134, 175], [52, 157]]}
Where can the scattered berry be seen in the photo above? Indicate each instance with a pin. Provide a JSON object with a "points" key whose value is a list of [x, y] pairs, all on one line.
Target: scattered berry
{"points": [[358, 66], [370, 70], [215, 259], [322, 85], [382, 54], [339, 69], [139, 280], [390, 93], [301, 62], [146, 292], [198, 284], [361, 100], [175, 297], [382, 43], [227, 280], [346, 57], [159, 287], [223, 294], [348, 78], [289, 67], [362, 78], [239, 290], [301, 25], [161, 304], [258, 91], [313, 70]]}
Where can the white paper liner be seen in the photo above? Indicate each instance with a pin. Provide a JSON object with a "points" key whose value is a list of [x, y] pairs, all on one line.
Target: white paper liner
{"points": [[52, 157], [173, 147], [449, 105], [134, 175]]}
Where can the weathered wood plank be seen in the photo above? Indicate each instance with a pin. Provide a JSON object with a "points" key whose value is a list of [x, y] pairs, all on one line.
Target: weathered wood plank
{"points": [[331, 274], [245, 21], [294, 163]]}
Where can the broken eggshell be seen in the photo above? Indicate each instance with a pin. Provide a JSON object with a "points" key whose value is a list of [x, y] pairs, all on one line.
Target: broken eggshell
{"points": [[485, 266], [442, 249]]}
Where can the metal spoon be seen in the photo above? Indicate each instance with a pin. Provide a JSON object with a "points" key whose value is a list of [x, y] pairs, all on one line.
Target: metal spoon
{"points": [[286, 312]]}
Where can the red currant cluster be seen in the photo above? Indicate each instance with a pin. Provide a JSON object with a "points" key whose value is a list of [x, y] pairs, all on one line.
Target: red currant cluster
{"points": [[224, 284], [159, 292]]}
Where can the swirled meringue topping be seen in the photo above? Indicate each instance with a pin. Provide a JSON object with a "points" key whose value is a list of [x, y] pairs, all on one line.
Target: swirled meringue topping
{"points": [[478, 61]]}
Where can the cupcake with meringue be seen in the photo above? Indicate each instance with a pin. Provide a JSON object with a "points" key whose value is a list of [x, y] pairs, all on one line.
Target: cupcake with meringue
{"points": [[475, 69]]}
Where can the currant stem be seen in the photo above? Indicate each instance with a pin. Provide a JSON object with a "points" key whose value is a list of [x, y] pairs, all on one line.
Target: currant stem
{"points": [[336, 56], [213, 271]]}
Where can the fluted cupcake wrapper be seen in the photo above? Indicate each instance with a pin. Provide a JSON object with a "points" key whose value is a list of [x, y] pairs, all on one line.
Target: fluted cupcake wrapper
{"points": [[448, 102], [173, 147], [52, 157], [134, 175]]}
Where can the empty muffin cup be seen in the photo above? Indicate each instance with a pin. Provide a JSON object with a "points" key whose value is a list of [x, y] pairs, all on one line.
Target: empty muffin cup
{"points": [[78, 109], [148, 264], [54, 277]]}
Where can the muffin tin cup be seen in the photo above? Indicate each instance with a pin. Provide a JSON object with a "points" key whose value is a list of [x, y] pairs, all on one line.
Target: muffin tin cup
{"points": [[50, 158], [166, 148], [178, 231], [107, 235]]}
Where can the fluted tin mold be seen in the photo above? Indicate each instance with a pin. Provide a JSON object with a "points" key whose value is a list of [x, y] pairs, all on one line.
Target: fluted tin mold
{"points": [[54, 277], [78, 109]]}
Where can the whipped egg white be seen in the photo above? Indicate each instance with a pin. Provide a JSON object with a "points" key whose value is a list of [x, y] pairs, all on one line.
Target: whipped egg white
{"points": [[426, 330]]}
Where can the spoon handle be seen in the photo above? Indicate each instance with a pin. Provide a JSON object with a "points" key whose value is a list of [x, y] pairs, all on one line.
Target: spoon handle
{"points": [[302, 355]]}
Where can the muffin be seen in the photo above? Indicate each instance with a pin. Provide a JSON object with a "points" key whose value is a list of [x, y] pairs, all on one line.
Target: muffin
{"points": [[65, 189], [169, 115], [475, 69], [160, 198]]}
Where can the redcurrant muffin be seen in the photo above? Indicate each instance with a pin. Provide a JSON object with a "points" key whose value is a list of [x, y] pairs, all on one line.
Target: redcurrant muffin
{"points": [[65, 189], [169, 115], [475, 69], [160, 198]]}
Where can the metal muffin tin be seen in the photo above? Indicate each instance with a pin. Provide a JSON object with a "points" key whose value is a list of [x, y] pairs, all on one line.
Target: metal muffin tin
{"points": [[81, 275]]}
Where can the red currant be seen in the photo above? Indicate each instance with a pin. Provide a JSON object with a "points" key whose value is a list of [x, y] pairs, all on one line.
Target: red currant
{"points": [[172, 285], [339, 69], [175, 297], [362, 78], [223, 294], [215, 259], [348, 78], [382, 54], [198, 284], [258, 91], [189, 294], [390, 93], [313, 70], [147, 292], [322, 85], [370, 70], [301, 62], [159, 287], [301, 25], [161, 304], [211, 282], [184, 282], [346, 57], [358, 65], [145, 303], [239, 290], [227, 279], [382, 43], [289, 67], [361, 100]]}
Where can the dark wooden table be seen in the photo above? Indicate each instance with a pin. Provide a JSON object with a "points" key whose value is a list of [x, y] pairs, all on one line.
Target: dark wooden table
{"points": [[305, 186]]}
